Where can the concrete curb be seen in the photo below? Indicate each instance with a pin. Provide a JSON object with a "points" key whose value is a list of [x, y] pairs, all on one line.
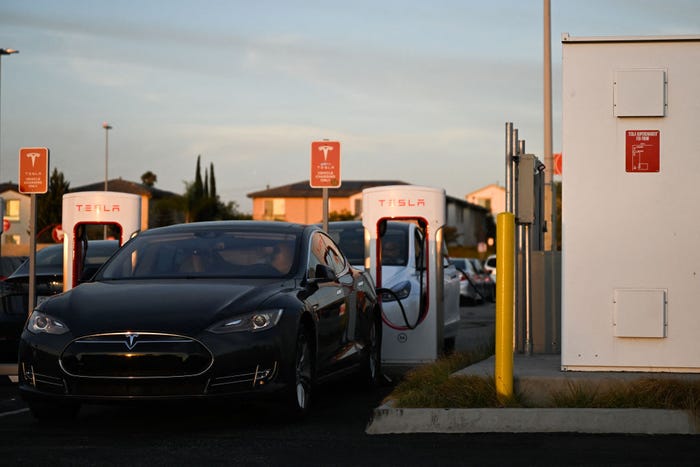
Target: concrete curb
{"points": [[388, 420]]}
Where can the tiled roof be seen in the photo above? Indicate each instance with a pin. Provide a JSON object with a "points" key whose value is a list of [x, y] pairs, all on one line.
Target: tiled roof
{"points": [[8, 186], [303, 190], [125, 186]]}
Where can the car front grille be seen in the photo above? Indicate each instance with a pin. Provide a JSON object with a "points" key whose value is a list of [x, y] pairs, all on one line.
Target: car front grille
{"points": [[136, 388], [135, 355]]}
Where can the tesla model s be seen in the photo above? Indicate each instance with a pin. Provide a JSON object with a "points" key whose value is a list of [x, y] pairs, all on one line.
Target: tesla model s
{"points": [[204, 310]]}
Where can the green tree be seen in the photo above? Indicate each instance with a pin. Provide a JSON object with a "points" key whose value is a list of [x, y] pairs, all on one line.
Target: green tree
{"points": [[149, 178], [342, 215], [203, 203], [49, 206]]}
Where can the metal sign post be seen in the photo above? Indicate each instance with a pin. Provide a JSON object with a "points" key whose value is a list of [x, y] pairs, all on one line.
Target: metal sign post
{"points": [[33, 180]]}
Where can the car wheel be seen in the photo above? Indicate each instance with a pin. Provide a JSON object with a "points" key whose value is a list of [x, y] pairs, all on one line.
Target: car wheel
{"points": [[53, 411], [372, 367], [299, 391]]}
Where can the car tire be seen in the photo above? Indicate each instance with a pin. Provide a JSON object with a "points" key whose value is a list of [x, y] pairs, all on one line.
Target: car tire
{"points": [[299, 391], [53, 411], [372, 365]]}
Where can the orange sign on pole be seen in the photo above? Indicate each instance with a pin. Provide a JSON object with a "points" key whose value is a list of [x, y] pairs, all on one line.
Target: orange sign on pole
{"points": [[33, 170], [557, 163], [325, 164]]}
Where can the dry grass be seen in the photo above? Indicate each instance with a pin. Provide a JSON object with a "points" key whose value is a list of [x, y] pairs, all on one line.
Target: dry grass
{"points": [[433, 386], [650, 393]]}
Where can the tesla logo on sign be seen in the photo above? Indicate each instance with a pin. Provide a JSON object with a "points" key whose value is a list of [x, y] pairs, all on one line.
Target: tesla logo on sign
{"points": [[401, 202], [325, 164], [642, 150], [97, 208]]}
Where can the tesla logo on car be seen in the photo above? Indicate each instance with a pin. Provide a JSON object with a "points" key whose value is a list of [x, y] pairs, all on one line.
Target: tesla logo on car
{"points": [[131, 341], [401, 202], [97, 207]]}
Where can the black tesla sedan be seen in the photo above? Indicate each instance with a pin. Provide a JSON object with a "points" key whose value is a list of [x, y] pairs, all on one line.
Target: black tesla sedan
{"points": [[203, 310]]}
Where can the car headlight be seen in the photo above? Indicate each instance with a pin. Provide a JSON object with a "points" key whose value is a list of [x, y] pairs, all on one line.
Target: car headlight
{"points": [[251, 322], [400, 291], [39, 323]]}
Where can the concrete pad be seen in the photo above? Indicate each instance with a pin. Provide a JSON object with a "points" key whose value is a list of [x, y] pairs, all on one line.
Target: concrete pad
{"points": [[536, 377]]}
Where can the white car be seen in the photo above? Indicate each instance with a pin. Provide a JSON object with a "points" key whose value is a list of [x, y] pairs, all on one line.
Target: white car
{"points": [[468, 284], [490, 266], [402, 257]]}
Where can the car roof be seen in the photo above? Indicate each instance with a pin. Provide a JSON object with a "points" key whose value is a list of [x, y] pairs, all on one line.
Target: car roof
{"points": [[265, 226]]}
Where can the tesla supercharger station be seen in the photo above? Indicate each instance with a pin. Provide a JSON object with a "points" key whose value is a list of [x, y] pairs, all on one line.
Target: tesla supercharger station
{"points": [[120, 210], [426, 207]]}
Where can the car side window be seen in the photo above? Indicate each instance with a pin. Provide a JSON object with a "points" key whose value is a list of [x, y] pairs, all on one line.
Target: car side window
{"points": [[323, 251]]}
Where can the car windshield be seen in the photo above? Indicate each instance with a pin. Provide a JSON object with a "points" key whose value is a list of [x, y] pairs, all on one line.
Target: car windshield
{"points": [[50, 258], [197, 253], [395, 246], [351, 240]]}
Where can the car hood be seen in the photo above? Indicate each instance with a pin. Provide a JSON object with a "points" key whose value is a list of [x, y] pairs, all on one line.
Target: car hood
{"points": [[393, 275], [168, 306]]}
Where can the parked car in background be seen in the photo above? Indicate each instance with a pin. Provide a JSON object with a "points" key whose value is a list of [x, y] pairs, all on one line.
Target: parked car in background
{"points": [[205, 310], [490, 266], [14, 290], [488, 286], [468, 282], [8, 265], [402, 256]]}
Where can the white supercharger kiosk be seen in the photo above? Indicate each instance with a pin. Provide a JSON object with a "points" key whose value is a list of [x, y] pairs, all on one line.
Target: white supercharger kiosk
{"points": [[118, 212], [424, 207]]}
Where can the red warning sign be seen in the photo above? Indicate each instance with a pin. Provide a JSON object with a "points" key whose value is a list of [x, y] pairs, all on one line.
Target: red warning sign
{"points": [[642, 150], [325, 164]]}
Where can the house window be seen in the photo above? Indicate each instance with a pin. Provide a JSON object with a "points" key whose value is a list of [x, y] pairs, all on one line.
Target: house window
{"points": [[12, 209], [12, 239], [274, 210]]}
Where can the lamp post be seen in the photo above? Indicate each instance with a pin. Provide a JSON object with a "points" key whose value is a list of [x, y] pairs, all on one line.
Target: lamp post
{"points": [[3, 52], [107, 127]]}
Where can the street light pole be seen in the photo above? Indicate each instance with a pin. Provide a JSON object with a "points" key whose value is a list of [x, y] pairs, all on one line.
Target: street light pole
{"points": [[2, 52], [107, 127]]}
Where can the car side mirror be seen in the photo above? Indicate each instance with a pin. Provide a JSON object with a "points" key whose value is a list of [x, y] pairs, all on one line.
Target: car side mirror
{"points": [[324, 273]]}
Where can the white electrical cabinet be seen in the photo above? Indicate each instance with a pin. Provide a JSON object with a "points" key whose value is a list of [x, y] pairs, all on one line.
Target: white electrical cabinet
{"points": [[631, 197]]}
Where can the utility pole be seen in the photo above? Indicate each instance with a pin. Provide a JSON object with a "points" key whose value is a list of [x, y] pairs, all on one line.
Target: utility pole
{"points": [[549, 198]]}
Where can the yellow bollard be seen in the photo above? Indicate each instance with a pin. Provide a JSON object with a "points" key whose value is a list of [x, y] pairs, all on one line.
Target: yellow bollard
{"points": [[505, 301]]}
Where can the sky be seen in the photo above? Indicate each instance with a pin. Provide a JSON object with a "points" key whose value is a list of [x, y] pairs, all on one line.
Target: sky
{"points": [[414, 91]]}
